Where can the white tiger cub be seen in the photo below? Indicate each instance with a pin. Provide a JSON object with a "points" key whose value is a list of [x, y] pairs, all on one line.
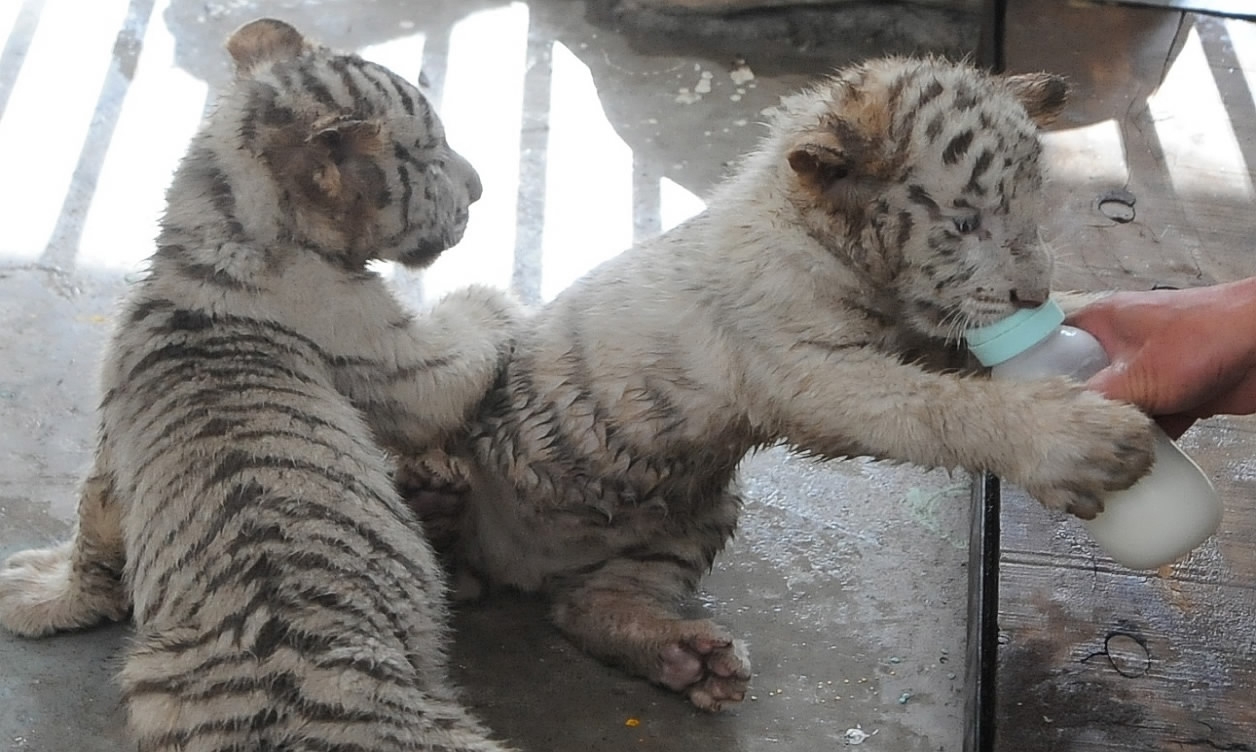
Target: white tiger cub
{"points": [[888, 209], [241, 503]]}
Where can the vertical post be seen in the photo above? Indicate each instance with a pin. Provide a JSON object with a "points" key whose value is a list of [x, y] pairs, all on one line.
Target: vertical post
{"points": [[525, 279], [983, 616], [983, 541], [990, 50]]}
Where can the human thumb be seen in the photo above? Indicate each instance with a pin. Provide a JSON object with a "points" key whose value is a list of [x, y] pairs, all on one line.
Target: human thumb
{"points": [[1123, 383], [1114, 383]]}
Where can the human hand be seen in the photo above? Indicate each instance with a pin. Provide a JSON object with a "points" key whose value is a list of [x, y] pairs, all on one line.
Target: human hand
{"points": [[1180, 355]]}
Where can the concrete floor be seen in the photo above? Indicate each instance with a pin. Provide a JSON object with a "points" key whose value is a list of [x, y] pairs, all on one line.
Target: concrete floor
{"points": [[848, 579]]}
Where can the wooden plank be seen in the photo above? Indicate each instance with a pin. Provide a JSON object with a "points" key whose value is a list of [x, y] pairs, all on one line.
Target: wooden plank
{"points": [[1097, 657], [1094, 656]]}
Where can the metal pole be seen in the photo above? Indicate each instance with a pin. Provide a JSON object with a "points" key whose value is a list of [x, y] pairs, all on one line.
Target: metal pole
{"points": [[981, 672], [983, 616], [990, 47]]}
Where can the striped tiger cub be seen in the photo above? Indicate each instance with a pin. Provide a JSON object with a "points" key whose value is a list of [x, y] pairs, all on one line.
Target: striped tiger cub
{"points": [[888, 208], [241, 503]]}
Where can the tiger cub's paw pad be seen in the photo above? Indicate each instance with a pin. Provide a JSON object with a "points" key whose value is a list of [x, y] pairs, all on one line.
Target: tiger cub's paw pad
{"points": [[711, 671]]}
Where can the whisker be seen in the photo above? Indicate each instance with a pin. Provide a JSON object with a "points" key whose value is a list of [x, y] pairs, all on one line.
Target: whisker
{"points": [[953, 325]]}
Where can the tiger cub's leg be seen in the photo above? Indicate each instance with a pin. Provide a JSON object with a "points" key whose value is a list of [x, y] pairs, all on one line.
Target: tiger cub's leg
{"points": [[627, 614], [627, 610], [75, 584], [434, 371]]}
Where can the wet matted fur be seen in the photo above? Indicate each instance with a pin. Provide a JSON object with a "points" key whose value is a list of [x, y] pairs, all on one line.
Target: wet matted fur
{"points": [[889, 208]]}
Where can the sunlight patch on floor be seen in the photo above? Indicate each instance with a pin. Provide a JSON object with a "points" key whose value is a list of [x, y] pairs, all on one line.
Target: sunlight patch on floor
{"points": [[676, 204], [1243, 42], [1093, 153], [588, 168], [588, 199], [1202, 153], [48, 116], [482, 107], [161, 113]]}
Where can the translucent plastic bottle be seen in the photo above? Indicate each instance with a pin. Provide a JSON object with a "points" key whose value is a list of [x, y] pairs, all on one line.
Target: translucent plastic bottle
{"points": [[1164, 515]]}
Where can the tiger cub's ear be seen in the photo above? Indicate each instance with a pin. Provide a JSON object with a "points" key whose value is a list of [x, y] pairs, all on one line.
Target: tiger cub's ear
{"points": [[263, 40], [820, 160], [835, 163], [1042, 94]]}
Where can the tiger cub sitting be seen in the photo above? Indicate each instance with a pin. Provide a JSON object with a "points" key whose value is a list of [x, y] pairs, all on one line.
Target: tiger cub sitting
{"points": [[888, 209], [241, 503]]}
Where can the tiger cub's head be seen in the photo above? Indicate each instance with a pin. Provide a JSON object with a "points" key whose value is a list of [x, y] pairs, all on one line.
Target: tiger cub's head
{"points": [[924, 174], [336, 154]]}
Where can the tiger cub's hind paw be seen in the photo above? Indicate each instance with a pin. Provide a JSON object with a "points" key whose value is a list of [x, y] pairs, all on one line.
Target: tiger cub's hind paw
{"points": [[41, 592], [712, 670]]}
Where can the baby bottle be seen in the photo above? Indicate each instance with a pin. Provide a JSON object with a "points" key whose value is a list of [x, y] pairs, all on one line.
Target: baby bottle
{"points": [[1169, 511]]}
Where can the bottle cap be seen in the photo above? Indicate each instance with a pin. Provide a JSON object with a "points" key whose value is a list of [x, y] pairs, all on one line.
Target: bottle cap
{"points": [[1009, 337]]}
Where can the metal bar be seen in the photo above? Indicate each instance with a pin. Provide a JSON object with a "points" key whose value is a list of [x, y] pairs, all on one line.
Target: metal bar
{"points": [[981, 661], [983, 616], [990, 47]]}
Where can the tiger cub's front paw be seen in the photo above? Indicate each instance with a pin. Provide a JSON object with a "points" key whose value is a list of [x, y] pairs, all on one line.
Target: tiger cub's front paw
{"points": [[435, 485], [1086, 448], [493, 313]]}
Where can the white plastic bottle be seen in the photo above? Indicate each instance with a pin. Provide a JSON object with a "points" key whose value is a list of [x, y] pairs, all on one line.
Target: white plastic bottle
{"points": [[1163, 516]]}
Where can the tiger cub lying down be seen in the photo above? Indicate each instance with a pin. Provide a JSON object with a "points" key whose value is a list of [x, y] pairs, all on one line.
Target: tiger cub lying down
{"points": [[889, 208], [241, 504]]}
